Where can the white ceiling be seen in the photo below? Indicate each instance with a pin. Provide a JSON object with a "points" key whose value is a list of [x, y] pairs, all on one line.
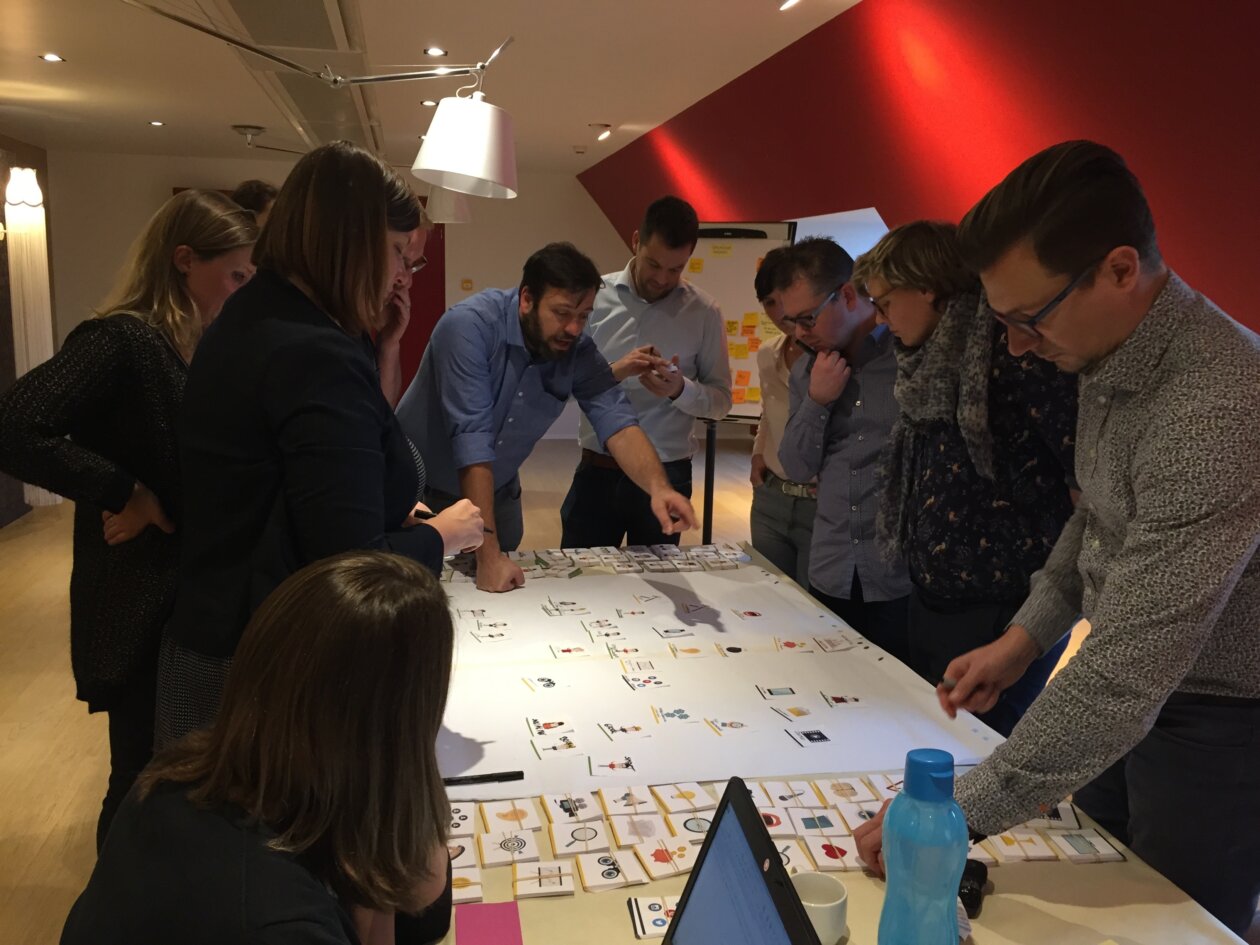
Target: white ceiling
{"points": [[573, 62]]}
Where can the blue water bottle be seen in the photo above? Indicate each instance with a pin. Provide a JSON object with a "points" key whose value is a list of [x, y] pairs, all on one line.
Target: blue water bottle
{"points": [[925, 850]]}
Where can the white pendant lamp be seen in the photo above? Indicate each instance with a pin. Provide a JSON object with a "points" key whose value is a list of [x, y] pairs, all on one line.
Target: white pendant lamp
{"points": [[469, 148], [446, 206]]}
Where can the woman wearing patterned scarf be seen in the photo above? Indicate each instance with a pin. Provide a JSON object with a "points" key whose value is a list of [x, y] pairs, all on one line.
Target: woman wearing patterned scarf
{"points": [[978, 468]]}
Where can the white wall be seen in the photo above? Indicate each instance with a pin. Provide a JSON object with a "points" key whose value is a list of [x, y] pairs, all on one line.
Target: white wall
{"points": [[99, 203], [855, 230]]}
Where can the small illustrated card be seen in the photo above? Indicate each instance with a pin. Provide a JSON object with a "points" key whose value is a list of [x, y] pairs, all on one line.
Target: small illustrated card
{"points": [[659, 567], [834, 853], [776, 692], [732, 724], [794, 713], [544, 878], [520, 814], [554, 746], [795, 645], [509, 846], [463, 820], [638, 682], [836, 700], [571, 808], [626, 800], [1060, 817], [566, 608], [462, 851], [572, 839], [638, 666], [631, 829], [789, 793], [793, 855], [683, 798], [570, 651], [837, 643], [599, 872], [650, 916], [690, 827], [674, 714], [980, 851], [838, 790], [684, 564], [674, 633], [691, 651], [1017, 845], [817, 822], [808, 736], [778, 821], [1086, 846], [627, 567], [557, 723], [466, 885], [609, 765], [856, 813], [665, 858], [887, 786], [548, 683], [623, 730]]}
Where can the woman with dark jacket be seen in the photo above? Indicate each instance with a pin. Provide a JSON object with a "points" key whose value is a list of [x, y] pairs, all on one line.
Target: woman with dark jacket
{"points": [[978, 469], [96, 424], [289, 451]]}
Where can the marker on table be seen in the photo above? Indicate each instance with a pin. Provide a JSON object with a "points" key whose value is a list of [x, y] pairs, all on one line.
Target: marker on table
{"points": [[484, 778]]}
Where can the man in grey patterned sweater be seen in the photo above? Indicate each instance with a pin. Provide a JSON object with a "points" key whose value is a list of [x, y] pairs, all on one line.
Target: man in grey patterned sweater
{"points": [[1155, 723]]}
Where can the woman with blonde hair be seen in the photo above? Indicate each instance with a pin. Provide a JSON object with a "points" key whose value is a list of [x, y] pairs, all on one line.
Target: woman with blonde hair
{"points": [[96, 424], [290, 451], [313, 810]]}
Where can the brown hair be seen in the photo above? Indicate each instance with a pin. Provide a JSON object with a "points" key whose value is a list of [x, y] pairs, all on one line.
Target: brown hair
{"points": [[327, 229], [328, 726], [151, 288], [923, 255], [254, 195]]}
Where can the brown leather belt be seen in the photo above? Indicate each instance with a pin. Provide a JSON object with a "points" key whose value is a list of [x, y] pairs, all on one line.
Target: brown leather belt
{"points": [[801, 490], [598, 460]]}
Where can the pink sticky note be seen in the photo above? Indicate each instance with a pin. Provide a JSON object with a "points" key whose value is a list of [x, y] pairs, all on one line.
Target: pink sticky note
{"points": [[488, 923]]}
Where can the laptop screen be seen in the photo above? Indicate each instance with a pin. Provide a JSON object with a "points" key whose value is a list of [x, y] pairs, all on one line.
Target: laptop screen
{"points": [[729, 903]]}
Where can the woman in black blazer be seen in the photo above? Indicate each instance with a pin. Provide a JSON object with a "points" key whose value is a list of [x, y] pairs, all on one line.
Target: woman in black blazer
{"points": [[283, 823], [96, 424], [289, 451]]}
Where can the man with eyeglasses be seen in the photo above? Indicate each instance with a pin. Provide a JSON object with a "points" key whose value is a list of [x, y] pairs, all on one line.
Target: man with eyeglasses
{"points": [[1155, 723], [842, 410], [398, 315]]}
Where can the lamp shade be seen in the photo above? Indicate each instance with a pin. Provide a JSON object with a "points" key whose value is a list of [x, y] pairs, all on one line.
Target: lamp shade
{"points": [[469, 148], [446, 206], [23, 188]]}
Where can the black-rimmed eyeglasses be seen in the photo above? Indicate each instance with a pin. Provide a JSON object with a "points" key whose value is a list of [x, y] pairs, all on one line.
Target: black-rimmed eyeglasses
{"points": [[807, 320], [1028, 326]]}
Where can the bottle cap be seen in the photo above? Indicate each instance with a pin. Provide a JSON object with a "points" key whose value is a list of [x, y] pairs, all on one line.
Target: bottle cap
{"points": [[929, 775]]}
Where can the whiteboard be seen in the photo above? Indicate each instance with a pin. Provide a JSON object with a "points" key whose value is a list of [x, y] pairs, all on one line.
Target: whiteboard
{"points": [[724, 265]]}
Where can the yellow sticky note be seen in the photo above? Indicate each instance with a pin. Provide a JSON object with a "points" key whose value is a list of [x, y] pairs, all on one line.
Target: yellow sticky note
{"points": [[754, 395], [732, 327], [720, 249], [754, 344], [743, 378], [769, 328], [696, 265], [752, 318], [739, 351], [737, 395]]}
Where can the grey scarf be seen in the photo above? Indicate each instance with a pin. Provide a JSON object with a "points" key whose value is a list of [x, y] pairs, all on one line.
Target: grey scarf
{"points": [[947, 378]]}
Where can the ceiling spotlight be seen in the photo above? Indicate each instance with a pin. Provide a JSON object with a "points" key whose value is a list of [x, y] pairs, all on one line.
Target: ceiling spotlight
{"points": [[157, 124], [51, 57], [435, 51], [429, 103], [788, 4], [604, 131]]}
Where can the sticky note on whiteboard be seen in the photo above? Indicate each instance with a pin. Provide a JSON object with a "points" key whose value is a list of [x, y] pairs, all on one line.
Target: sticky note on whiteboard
{"points": [[696, 265], [720, 249], [738, 350], [748, 331], [754, 395], [754, 344], [743, 378], [752, 318], [737, 395], [732, 327]]}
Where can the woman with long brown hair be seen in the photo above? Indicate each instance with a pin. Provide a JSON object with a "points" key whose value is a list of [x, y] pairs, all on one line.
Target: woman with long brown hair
{"points": [[289, 450], [96, 424], [314, 804]]}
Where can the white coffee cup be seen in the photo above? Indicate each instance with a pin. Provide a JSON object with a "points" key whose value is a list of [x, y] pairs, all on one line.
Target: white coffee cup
{"points": [[826, 903]]}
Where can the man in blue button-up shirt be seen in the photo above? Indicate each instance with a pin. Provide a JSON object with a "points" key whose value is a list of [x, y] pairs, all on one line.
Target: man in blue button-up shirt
{"points": [[842, 410], [497, 372]]}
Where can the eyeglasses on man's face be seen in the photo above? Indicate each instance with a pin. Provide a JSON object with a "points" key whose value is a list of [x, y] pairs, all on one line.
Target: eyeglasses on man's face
{"points": [[1028, 326], [808, 320]]}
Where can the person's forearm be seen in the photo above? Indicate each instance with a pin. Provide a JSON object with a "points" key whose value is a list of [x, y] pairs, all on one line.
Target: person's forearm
{"points": [[637, 458], [389, 366], [476, 482]]}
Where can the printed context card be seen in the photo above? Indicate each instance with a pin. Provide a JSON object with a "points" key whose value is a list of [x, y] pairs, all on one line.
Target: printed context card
{"points": [[609, 765], [1017, 845], [808, 737], [778, 821], [514, 815], [462, 852], [837, 854], [980, 851], [650, 916], [572, 839], [1086, 846], [691, 651], [733, 725], [837, 643], [666, 858], [599, 872], [463, 820], [631, 829], [639, 682], [856, 813], [549, 726], [1060, 817], [793, 855], [817, 822], [627, 800], [776, 692], [500, 849], [466, 885], [674, 714], [795, 645], [545, 878], [887, 786], [683, 798], [691, 827], [789, 793], [571, 808], [841, 790]]}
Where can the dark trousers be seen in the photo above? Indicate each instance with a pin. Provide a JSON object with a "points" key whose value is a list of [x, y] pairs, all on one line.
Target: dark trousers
{"points": [[603, 507], [882, 622], [130, 747], [509, 519], [1186, 799], [941, 630]]}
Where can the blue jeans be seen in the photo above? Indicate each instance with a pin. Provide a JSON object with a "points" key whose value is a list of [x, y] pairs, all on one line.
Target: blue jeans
{"points": [[782, 527]]}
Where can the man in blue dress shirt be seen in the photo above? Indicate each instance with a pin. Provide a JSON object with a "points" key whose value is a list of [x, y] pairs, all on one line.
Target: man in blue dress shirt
{"points": [[497, 372], [667, 346]]}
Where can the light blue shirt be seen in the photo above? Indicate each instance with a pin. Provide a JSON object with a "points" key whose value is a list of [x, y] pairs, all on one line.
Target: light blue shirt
{"points": [[479, 397], [687, 323]]}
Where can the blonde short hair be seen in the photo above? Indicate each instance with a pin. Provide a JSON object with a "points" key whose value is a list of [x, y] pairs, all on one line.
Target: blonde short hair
{"points": [[922, 255]]}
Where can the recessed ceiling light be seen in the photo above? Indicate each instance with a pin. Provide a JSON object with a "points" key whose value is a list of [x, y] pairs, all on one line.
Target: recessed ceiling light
{"points": [[788, 4], [435, 51], [429, 103], [604, 130], [157, 124], [51, 57], [604, 135]]}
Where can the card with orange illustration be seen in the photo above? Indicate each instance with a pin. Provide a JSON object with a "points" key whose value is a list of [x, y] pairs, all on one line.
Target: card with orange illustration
{"points": [[684, 797], [510, 815]]}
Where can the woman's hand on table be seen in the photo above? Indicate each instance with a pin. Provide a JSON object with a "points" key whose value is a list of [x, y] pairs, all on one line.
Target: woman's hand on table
{"points": [[869, 838]]}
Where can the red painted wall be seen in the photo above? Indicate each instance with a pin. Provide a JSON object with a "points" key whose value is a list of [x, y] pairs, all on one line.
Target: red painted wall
{"points": [[917, 107], [428, 302]]}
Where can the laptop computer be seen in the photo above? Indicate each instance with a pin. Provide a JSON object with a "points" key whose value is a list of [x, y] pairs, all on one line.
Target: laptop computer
{"points": [[739, 892]]}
